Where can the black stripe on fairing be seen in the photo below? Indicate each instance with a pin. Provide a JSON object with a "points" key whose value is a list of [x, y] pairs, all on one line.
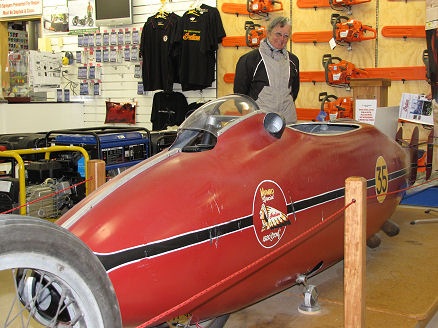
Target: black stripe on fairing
{"points": [[116, 259], [335, 194], [113, 260]]}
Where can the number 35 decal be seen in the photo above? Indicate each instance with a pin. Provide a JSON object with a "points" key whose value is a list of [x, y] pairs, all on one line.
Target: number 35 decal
{"points": [[381, 179]]}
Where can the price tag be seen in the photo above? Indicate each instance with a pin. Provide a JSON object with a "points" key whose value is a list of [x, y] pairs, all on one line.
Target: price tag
{"points": [[85, 40], [96, 88], [92, 72], [59, 95], [105, 55], [66, 95], [120, 38], [84, 89], [82, 73], [98, 55], [127, 53], [98, 39], [113, 39], [127, 37], [137, 71], [91, 40], [140, 88], [135, 37], [80, 40], [105, 39], [113, 55], [134, 53]]}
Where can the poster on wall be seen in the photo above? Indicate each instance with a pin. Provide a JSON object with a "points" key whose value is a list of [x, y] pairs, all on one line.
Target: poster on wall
{"points": [[81, 16], [120, 112], [416, 108], [20, 8], [55, 16]]}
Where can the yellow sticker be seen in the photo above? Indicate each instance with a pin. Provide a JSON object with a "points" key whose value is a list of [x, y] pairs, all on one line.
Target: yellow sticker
{"points": [[382, 180]]}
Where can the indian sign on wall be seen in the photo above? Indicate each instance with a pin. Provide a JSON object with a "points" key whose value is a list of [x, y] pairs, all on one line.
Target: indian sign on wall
{"points": [[18, 8]]}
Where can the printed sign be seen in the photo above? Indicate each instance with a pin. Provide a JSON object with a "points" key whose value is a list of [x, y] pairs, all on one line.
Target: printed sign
{"points": [[269, 213], [17, 8], [416, 108], [366, 110]]}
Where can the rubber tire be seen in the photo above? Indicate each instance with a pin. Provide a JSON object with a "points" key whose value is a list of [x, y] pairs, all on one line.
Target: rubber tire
{"points": [[25, 239]]}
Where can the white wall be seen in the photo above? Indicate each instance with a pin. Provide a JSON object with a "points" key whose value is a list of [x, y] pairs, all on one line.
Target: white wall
{"points": [[118, 81], [40, 117]]}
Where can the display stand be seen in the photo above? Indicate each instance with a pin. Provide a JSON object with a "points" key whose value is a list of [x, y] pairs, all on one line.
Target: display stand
{"points": [[371, 89]]}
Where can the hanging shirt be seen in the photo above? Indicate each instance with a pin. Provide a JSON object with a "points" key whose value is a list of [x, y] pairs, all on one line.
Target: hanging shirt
{"points": [[159, 70], [198, 35], [169, 108]]}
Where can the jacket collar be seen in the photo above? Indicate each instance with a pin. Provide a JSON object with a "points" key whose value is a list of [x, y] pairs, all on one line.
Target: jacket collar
{"points": [[267, 48]]}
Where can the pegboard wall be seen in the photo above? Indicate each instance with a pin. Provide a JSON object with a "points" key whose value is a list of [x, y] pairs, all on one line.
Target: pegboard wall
{"points": [[380, 52], [117, 80]]}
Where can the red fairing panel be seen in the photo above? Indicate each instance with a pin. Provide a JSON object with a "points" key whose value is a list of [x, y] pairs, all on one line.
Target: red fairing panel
{"points": [[194, 218]]}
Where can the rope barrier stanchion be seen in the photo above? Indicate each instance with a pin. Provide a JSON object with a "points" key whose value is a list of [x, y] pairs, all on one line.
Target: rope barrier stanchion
{"points": [[96, 170], [355, 253], [47, 196], [247, 270]]}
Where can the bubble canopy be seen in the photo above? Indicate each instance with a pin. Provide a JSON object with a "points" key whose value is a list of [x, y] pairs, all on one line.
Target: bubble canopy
{"points": [[217, 114]]}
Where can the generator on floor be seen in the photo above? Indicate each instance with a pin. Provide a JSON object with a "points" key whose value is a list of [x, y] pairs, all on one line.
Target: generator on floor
{"points": [[118, 147], [41, 187]]}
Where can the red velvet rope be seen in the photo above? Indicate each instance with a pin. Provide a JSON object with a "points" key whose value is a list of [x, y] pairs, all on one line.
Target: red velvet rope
{"points": [[265, 258], [47, 196]]}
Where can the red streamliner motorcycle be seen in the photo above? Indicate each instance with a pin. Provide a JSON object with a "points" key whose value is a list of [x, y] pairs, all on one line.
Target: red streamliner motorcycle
{"points": [[236, 185]]}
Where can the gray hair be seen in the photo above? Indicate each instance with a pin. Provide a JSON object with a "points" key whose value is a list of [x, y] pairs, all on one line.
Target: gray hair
{"points": [[278, 21]]}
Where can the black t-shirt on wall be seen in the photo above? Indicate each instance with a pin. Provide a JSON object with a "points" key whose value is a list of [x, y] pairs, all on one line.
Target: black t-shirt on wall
{"points": [[159, 70], [198, 35]]}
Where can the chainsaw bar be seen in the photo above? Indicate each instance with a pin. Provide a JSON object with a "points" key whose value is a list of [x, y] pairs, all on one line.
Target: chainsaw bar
{"points": [[317, 36], [323, 3], [404, 31], [413, 73], [234, 41]]}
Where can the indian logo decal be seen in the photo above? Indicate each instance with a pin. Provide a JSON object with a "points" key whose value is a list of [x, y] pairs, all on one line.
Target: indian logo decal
{"points": [[192, 35], [269, 213]]}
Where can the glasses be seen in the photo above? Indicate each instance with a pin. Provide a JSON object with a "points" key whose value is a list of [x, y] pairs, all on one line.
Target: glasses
{"points": [[280, 35]]}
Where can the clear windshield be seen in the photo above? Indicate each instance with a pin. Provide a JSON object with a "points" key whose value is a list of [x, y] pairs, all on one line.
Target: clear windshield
{"points": [[217, 114]]}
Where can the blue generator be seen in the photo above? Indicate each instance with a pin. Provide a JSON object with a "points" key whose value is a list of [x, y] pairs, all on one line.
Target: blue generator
{"points": [[119, 147]]}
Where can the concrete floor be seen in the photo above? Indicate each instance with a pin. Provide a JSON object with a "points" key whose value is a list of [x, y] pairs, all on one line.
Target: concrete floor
{"points": [[401, 286]]}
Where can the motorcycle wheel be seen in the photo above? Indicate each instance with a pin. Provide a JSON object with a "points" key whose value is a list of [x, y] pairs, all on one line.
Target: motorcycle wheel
{"points": [[53, 279]]}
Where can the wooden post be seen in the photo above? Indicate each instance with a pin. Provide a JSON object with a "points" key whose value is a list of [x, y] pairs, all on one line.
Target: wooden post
{"points": [[355, 253], [96, 172]]}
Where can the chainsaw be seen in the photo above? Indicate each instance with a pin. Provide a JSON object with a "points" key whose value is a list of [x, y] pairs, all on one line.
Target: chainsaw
{"points": [[343, 5], [259, 7], [346, 30], [262, 6], [333, 107], [338, 72], [254, 34]]}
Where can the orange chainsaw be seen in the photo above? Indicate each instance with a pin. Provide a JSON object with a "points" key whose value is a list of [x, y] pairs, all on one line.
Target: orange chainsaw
{"points": [[339, 5], [259, 7], [343, 5], [346, 30], [333, 107], [338, 72], [254, 34], [262, 6]]}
